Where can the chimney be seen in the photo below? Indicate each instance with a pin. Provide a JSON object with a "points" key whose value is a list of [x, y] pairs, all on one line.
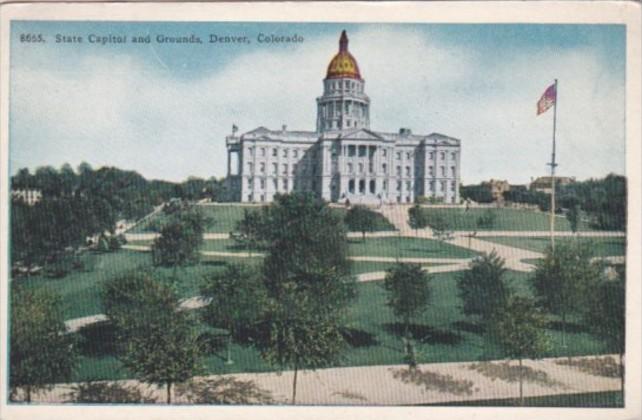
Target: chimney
{"points": [[284, 128], [405, 131]]}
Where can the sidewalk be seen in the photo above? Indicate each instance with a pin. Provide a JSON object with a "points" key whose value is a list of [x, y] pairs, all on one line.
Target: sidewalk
{"points": [[395, 385]]}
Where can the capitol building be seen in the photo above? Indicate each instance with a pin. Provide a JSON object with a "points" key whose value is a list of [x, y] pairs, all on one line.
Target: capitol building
{"points": [[343, 160]]}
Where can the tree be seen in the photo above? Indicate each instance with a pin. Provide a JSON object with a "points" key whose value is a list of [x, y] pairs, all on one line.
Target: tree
{"points": [[487, 220], [563, 278], [518, 329], [237, 300], [573, 217], [478, 193], [180, 239], [482, 287], [409, 292], [439, 225], [41, 350], [417, 218], [606, 316], [308, 282], [158, 341], [249, 230], [361, 219]]}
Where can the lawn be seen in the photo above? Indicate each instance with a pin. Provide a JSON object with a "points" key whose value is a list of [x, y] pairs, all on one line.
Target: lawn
{"points": [[608, 399], [443, 334], [404, 247], [506, 219], [602, 247], [225, 217]]}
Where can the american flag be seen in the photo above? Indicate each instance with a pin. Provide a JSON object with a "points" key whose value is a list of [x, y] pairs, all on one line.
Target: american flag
{"points": [[547, 100]]}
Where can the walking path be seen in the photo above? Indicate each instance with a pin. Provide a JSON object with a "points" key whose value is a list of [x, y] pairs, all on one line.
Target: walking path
{"points": [[432, 383]]}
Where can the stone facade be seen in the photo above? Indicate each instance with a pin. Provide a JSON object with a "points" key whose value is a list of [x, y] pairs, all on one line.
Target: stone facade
{"points": [[343, 159]]}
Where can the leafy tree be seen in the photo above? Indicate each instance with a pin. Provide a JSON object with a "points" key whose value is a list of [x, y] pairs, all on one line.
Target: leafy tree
{"points": [[573, 217], [307, 277], [180, 239], [158, 340], [417, 217], [439, 225], [477, 193], [482, 287], [237, 300], [249, 230], [487, 220], [41, 352], [409, 292], [518, 329], [563, 278], [361, 219], [605, 314]]}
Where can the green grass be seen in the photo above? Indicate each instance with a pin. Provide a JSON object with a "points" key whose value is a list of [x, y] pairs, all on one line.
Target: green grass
{"points": [[377, 247], [406, 247], [225, 217], [443, 334], [608, 399], [506, 219], [602, 247]]}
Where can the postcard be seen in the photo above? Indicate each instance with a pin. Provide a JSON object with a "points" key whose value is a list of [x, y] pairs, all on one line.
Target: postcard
{"points": [[310, 210]]}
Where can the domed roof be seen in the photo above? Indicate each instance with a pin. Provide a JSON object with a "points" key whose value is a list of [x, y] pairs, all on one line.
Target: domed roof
{"points": [[343, 63]]}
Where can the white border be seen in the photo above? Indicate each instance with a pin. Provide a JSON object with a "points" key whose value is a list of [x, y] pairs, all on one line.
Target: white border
{"points": [[628, 13]]}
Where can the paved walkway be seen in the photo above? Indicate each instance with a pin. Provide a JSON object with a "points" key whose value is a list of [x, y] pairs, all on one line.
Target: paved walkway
{"points": [[394, 385]]}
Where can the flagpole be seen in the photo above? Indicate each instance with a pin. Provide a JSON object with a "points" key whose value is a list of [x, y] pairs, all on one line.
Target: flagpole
{"points": [[553, 165]]}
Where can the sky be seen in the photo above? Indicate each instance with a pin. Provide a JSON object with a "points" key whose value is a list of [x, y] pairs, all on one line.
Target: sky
{"points": [[164, 109]]}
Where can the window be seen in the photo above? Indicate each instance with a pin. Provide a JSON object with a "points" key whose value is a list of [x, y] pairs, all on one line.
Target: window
{"points": [[285, 153], [285, 169], [384, 168], [398, 170], [432, 155], [408, 186], [453, 155], [443, 185], [274, 168], [407, 170], [432, 186], [262, 183], [285, 185], [250, 183], [453, 185], [452, 171], [275, 151], [443, 170], [276, 184], [295, 152], [262, 168], [442, 156], [408, 155], [250, 166], [360, 168], [352, 150], [398, 185], [385, 185], [398, 155], [350, 168], [362, 151], [372, 186], [431, 171], [351, 186], [262, 151], [362, 186], [384, 152]]}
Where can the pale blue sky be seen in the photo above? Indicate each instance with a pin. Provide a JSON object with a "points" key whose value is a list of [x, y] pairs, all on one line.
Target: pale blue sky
{"points": [[164, 110]]}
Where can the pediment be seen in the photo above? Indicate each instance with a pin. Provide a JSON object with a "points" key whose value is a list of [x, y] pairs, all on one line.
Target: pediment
{"points": [[361, 134]]}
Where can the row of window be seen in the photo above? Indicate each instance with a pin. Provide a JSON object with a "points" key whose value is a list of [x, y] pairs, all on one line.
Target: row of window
{"points": [[359, 186], [344, 85], [283, 186], [274, 151], [284, 168]]}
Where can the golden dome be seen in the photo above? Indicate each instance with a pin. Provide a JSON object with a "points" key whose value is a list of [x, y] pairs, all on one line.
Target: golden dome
{"points": [[343, 64]]}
